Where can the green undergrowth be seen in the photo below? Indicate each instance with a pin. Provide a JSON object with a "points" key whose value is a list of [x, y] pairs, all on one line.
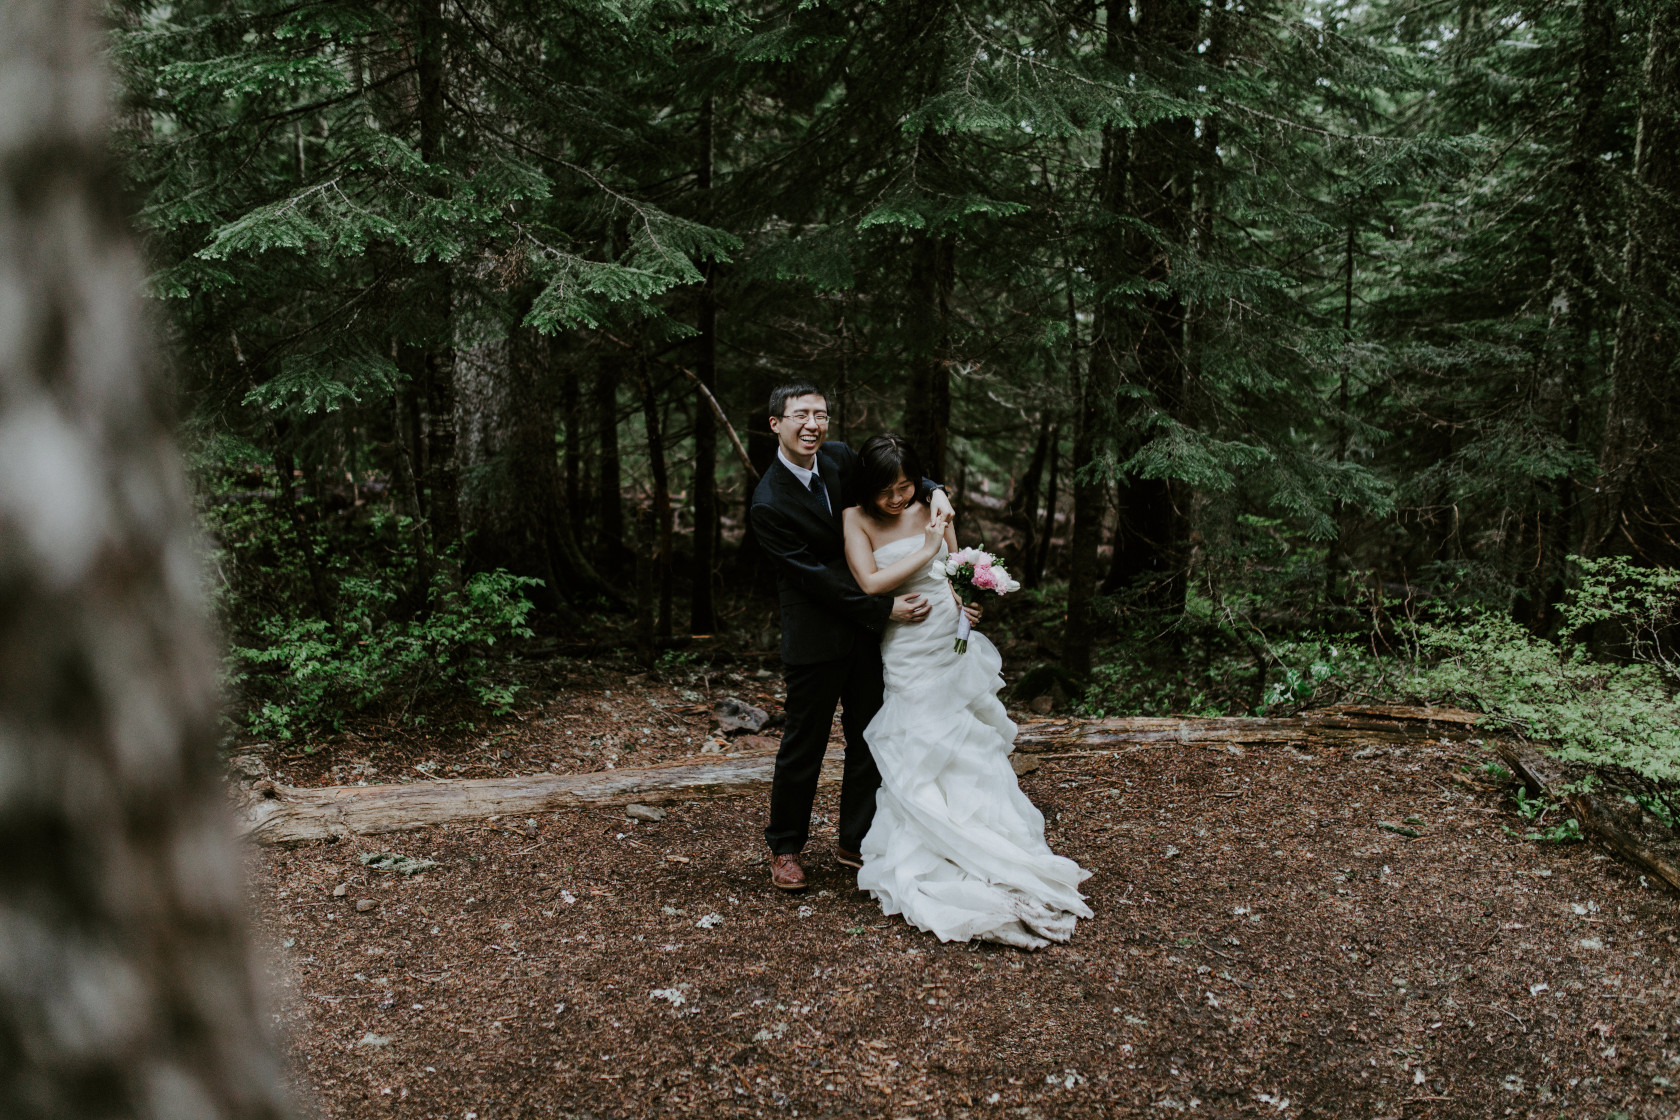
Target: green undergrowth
{"points": [[304, 672], [371, 632], [1603, 693]]}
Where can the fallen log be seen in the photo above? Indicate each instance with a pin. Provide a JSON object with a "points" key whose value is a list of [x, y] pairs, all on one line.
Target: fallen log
{"points": [[1626, 828], [279, 814], [1329, 727]]}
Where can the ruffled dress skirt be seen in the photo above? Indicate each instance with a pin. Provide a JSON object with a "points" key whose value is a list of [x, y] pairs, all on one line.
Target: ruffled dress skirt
{"points": [[955, 846]]}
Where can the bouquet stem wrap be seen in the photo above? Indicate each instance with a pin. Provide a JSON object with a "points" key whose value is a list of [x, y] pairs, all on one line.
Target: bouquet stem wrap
{"points": [[974, 575]]}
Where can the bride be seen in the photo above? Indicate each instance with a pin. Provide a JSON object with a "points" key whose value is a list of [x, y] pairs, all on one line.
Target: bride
{"points": [[955, 845]]}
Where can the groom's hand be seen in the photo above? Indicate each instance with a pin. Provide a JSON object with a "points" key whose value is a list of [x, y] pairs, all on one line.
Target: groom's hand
{"points": [[913, 607]]}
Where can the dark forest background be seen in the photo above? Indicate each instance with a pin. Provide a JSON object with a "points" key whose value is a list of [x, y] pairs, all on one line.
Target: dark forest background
{"points": [[1287, 350]]}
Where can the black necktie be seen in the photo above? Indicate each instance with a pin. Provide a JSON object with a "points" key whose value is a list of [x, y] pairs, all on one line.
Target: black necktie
{"points": [[821, 491]]}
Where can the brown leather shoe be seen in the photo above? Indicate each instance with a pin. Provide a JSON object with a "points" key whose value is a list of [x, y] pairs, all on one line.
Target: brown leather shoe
{"points": [[847, 858], [786, 873]]}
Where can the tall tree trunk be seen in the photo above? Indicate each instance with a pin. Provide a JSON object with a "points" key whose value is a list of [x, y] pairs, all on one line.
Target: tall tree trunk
{"points": [[571, 421], [1571, 311], [702, 612], [1111, 345], [647, 564], [1092, 419], [410, 499], [1024, 501], [837, 410], [126, 977], [285, 469], [509, 471], [1636, 504], [512, 486], [609, 494], [1149, 542], [927, 405], [753, 567], [436, 286], [1042, 557], [1336, 560], [661, 495]]}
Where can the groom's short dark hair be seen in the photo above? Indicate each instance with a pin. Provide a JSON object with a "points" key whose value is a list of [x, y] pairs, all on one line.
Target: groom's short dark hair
{"points": [[780, 394]]}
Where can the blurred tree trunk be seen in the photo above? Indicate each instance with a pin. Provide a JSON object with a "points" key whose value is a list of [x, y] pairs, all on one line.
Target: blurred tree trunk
{"points": [[410, 499], [702, 612], [126, 980]]}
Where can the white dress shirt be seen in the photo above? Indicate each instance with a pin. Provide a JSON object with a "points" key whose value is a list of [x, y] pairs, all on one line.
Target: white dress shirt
{"points": [[804, 475]]}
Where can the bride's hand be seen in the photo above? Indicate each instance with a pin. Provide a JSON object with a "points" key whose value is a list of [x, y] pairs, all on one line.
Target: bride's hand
{"points": [[935, 532]]}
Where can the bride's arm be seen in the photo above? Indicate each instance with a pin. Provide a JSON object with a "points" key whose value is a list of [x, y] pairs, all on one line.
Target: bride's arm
{"points": [[860, 554]]}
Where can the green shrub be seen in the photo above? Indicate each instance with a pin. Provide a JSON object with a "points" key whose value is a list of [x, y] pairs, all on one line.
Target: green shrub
{"points": [[1591, 710], [305, 673]]}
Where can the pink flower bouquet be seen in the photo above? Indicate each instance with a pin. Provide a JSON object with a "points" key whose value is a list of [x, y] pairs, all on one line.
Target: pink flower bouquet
{"points": [[974, 573]]}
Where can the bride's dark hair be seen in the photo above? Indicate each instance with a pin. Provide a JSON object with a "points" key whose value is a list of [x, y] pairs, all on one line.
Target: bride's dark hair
{"points": [[880, 461]]}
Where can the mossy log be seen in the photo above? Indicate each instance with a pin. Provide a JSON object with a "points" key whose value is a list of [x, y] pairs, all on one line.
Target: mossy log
{"points": [[277, 813]]}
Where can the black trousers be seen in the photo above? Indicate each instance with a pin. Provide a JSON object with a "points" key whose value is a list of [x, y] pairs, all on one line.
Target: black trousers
{"points": [[854, 682]]}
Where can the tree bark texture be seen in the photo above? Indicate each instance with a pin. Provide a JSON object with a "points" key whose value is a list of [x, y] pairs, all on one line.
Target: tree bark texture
{"points": [[927, 404], [609, 495], [1149, 551], [1337, 560], [284, 469], [511, 482], [1094, 398], [436, 290], [1023, 505], [1638, 487], [125, 974], [1041, 558], [1571, 312], [571, 420], [660, 494]]}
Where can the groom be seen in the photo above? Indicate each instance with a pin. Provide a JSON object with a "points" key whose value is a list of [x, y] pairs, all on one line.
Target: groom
{"points": [[831, 631]]}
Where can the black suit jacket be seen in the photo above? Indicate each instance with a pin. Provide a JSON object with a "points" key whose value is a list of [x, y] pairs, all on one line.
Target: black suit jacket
{"points": [[824, 613]]}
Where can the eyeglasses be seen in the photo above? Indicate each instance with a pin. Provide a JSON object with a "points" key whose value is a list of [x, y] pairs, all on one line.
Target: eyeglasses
{"points": [[802, 416]]}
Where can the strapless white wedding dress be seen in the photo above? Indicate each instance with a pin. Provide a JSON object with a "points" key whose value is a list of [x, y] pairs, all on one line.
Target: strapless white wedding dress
{"points": [[955, 846]]}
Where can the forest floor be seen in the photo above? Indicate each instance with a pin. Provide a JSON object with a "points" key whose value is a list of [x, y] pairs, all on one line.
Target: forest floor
{"points": [[1260, 946]]}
